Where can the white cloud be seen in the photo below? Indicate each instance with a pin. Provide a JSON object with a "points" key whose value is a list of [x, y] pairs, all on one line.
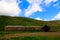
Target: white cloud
{"points": [[33, 7], [38, 18], [47, 20], [35, 1], [57, 5], [47, 2], [9, 7], [19, 1], [42, 19], [57, 17]]}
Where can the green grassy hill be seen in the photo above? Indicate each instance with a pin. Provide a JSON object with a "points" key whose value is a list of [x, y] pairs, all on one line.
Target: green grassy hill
{"points": [[23, 21], [7, 20]]}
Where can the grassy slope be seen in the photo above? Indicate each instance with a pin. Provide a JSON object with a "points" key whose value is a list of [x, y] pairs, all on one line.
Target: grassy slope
{"points": [[20, 21], [23, 21], [36, 38]]}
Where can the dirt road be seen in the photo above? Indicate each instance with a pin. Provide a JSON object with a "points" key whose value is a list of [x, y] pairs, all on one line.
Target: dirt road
{"points": [[52, 34]]}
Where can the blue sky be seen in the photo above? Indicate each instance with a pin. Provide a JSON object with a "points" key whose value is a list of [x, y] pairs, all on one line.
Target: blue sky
{"points": [[37, 9]]}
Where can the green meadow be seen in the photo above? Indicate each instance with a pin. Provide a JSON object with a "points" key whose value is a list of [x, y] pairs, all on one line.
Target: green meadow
{"points": [[24, 21], [35, 38]]}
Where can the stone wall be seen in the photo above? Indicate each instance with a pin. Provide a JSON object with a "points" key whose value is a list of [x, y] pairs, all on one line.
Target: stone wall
{"points": [[22, 28]]}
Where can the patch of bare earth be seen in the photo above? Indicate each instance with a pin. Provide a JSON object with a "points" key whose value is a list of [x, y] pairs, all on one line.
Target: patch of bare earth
{"points": [[52, 34]]}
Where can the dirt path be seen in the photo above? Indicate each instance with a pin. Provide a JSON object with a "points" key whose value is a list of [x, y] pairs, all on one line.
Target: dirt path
{"points": [[52, 34]]}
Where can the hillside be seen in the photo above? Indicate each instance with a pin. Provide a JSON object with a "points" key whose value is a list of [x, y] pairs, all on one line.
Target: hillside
{"points": [[19, 21], [24, 21]]}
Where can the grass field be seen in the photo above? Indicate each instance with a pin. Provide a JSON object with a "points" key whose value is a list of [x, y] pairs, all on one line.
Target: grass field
{"points": [[14, 32], [22, 21], [16, 35], [35, 38], [1, 33]]}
